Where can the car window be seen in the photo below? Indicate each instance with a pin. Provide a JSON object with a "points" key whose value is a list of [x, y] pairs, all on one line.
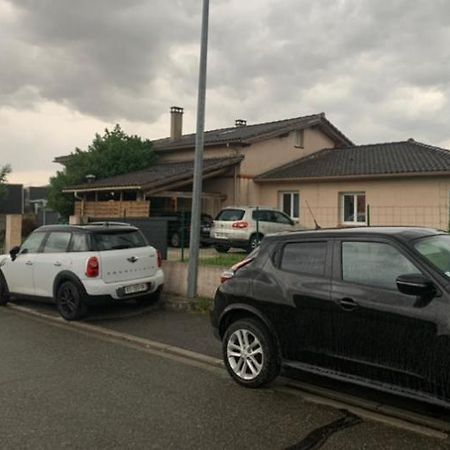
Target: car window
{"points": [[119, 240], [281, 218], [436, 249], [57, 242], [32, 243], [374, 264], [79, 242], [262, 215], [304, 257], [230, 215]]}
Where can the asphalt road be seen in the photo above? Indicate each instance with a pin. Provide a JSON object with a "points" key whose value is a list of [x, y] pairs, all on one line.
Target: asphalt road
{"points": [[63, 389]]}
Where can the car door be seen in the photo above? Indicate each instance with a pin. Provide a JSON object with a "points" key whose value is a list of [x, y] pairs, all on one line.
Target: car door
{"points": [[263, 221], [52, 260], [304, 282], [380, 333], [19, 273]]}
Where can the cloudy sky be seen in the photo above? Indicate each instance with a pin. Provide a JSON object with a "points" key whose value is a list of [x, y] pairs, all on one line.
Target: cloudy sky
{"points": [[380, 70]]}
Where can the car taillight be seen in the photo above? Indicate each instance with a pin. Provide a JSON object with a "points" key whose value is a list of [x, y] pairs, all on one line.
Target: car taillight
{"points": [[92, 267], [158, 254], [230, 273], [240, 224]]}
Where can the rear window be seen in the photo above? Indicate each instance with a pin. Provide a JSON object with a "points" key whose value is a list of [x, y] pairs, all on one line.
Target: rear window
{"points": [[118, 240], [230, 215], [305, 257]]}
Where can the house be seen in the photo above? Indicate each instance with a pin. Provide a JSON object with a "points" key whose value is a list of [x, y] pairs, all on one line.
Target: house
{"points": [[395, 183], [233, 157], [305, 166]]}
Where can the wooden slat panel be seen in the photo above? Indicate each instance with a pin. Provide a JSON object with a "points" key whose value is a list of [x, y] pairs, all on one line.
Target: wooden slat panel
{"points": [[113, 209]]}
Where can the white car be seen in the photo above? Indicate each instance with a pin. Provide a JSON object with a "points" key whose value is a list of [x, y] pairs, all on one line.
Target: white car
{"points": [[244, 227], [75, 266]]}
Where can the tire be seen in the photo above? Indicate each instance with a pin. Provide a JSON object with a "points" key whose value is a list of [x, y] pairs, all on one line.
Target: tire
{"points": [[4, 291], [254, 241], [221, 248], [150, 299], [265, 360], [70, 302], [175, 240]]}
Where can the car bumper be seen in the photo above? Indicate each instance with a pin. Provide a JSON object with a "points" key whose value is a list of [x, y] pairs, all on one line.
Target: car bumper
{"points": [[235, 243], [98, 289]]}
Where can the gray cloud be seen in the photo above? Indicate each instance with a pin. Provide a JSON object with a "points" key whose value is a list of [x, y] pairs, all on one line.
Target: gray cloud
{"points": [[380, 70]]}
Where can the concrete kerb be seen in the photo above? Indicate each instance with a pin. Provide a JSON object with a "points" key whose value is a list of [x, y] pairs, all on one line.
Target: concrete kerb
{"points": [[403, 420], [141, 342]]}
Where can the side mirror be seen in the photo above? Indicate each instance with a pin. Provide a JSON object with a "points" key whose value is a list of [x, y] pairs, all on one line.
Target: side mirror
{"points": [[416, 284], [14, 252]]}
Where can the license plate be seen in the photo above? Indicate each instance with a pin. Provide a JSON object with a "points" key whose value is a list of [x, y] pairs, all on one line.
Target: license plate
{"points": [[221, 236], [135, 288]]}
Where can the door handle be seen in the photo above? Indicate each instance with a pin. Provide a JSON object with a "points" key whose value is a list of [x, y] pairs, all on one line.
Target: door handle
{"points": [[348, 304], [57, 264], [29, 263]]}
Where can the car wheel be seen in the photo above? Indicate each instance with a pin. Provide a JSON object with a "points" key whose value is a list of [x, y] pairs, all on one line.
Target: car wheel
{"points": [[69, 301], [222, 248], [250, 353], [254, 241], [4, 291], [175, 240]]}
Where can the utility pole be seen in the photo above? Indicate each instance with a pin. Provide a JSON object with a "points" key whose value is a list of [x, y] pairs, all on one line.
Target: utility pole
{"points": [[198, 163]]}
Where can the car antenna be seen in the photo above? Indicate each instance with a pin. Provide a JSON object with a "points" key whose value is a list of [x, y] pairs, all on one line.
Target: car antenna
{"points": [[318, 227]]}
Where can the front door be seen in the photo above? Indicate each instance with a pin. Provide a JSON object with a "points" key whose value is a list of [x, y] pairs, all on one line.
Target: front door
{"points": [[380, 333], [19, 273]]}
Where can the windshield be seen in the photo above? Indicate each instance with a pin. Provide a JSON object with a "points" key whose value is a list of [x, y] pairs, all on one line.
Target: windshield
{"points": [[436, 249]]}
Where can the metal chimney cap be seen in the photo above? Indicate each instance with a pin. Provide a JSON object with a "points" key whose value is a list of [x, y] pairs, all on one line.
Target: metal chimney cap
{"points": [[90, 177], [240, 123], [177, 109]]}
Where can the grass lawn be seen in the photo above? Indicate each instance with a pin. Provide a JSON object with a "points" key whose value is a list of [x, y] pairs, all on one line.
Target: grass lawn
{"points": [[222, 260]]}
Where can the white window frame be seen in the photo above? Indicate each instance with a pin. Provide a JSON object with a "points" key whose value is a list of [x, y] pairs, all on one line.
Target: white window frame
{"points": [[355, 222], [299, 139], [281, 203]]}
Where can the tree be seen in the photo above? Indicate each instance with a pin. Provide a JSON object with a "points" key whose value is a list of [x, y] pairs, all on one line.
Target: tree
{"points": [[4, 172], [114, 153]]}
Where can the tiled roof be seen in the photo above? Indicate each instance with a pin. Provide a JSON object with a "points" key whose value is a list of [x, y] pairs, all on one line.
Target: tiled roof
{"points": [[251, 133], [407, 157], [157, 175]]}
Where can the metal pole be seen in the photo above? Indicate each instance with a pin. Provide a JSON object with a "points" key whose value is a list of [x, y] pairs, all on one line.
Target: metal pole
{"points": [[194, 244]]}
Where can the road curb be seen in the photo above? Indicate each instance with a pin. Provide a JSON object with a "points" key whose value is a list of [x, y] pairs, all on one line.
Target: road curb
{"points": [[313, 394], [141, 342]]}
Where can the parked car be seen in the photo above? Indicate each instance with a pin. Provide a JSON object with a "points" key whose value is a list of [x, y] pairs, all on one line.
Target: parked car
{"points": [[179, 228], [75, 266], [366, 305], [245, 227]]}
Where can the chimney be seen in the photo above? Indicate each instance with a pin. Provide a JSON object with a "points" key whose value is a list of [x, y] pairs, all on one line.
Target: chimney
{"points": [[240, 123], [90, 178], [176, 123]]}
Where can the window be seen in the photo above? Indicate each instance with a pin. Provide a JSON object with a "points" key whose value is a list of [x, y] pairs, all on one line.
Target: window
{"points": [[57, 242], [79, 243], [32, 243], [230, 215], [299, 138], [353, 208], [436, 249], [374, 264], [305, 257], [262, 215], [116, 240], [278, 217], [290, 204]]}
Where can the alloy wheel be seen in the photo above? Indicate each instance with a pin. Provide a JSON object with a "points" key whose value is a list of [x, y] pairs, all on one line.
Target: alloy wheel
{"points": [[245, 354]]}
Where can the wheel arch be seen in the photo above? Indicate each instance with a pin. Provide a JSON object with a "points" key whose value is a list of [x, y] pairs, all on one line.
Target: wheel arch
{"points": [[66, 275], [241, 311]]}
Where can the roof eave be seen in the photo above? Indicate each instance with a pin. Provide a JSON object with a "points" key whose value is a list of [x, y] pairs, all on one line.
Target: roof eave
{"points": [[354, 177]]}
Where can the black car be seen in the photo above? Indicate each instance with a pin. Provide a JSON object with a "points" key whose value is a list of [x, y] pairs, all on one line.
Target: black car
{"points": [[367, 305], [179, 227]]}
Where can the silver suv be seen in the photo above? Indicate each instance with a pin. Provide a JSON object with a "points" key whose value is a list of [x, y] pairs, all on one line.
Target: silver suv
{"points": [[244, 227]]}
